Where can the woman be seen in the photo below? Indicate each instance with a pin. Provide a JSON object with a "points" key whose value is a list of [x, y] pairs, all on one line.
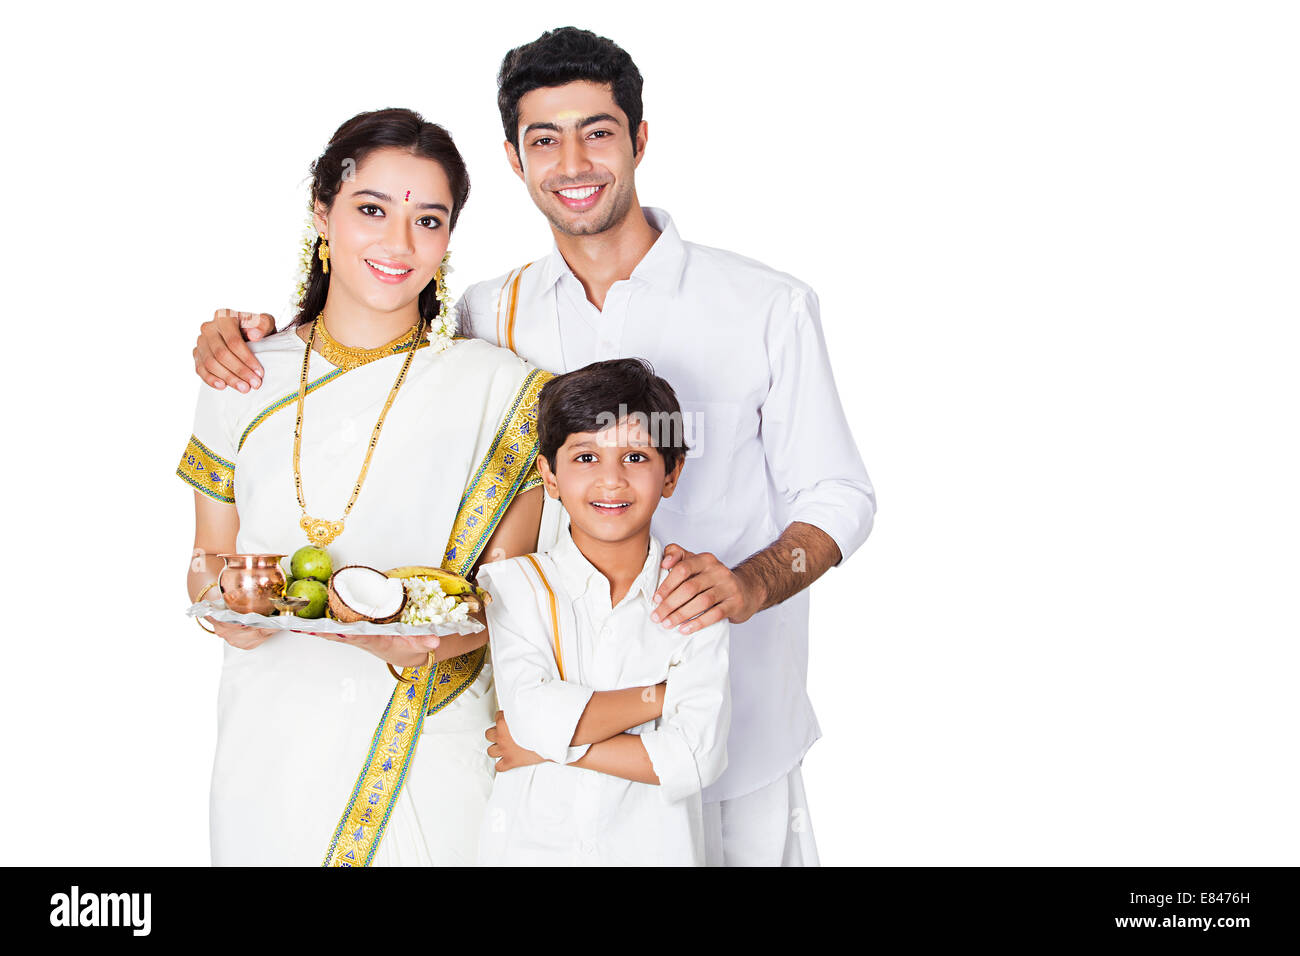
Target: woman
{"points": [[378, 434]]}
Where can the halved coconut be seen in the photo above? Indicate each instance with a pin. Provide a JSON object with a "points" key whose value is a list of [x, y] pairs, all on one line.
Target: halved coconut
{"points": [[359, 593]]}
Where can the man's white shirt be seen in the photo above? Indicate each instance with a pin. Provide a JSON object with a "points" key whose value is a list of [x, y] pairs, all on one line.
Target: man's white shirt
{"points": [[549, 814], [743, 348]]}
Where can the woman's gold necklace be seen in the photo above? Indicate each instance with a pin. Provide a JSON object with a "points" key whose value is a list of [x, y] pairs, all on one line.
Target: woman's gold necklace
{"points": [[319, 531], [348, 358]]}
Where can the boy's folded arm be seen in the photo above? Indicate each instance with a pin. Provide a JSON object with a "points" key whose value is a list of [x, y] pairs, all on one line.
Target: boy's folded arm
{"points": [[688, 750], [623, 755], [542, 710], [611, 712]]}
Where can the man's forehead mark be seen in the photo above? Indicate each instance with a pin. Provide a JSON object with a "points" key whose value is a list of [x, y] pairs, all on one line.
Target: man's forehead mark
{"points": [[408, 196]]}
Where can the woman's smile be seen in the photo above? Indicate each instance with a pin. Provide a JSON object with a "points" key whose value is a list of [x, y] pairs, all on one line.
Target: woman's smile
{"points": [[388, 270]]}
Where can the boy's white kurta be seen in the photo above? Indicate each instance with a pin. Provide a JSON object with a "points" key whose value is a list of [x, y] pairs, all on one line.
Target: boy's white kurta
{"points": [[552, 814], [742, 346], [296, 714]]}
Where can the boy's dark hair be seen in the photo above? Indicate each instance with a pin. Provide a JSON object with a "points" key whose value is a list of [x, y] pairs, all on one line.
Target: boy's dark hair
{"points": [[562, 56], [598, 395]]}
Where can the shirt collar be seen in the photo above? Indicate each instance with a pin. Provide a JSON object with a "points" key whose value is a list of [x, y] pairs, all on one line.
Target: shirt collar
{"points": [[577, 574], [661, 267]]}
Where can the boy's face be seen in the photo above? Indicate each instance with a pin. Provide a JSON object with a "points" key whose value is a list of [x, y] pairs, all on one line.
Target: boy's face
{"points": [[610, 481]]}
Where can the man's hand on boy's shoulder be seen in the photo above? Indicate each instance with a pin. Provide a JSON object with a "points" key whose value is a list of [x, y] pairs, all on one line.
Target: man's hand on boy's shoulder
{"points": [[700, 584], [510, 754], [221, 356]]}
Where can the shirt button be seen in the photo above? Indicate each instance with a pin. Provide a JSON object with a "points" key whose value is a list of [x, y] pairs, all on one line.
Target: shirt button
{"points": [[588, 847]]}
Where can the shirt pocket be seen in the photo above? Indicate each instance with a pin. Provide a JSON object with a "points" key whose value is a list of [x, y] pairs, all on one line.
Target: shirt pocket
{"points": [[709, 429]]}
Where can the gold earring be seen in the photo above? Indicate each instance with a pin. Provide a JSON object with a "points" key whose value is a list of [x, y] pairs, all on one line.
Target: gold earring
{"points": [[324, 253]]}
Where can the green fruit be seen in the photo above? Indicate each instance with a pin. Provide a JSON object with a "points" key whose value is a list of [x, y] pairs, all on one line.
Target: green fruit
{"points": [[314, 591], [309, 562]]}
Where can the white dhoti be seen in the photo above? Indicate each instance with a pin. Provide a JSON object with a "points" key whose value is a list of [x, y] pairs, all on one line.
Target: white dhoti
{"points": [[769, 827]]}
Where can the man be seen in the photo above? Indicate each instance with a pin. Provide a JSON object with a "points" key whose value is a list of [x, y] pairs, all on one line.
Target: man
{"points": [[774, 487]]}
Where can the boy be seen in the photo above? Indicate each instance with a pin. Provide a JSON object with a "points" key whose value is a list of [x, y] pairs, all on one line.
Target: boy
{"points": [[610, 724]]}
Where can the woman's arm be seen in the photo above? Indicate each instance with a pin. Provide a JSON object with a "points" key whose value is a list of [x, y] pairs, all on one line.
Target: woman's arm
{"points": [[216, 525]]}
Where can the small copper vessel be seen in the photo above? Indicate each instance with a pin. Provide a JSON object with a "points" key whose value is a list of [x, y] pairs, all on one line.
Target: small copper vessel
{"points": [[249, 582]]}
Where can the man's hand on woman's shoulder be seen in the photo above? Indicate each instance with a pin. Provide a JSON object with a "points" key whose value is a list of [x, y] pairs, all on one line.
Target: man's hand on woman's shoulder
{"points": [[222, 356]]}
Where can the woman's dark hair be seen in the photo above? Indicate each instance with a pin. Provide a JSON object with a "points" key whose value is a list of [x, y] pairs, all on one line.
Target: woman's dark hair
{"points": [[562, 56], [347, 150], [601, 394]]}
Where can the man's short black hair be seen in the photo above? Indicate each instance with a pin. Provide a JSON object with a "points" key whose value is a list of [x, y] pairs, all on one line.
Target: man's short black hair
{"points": [[562, 56], [599, 395]]}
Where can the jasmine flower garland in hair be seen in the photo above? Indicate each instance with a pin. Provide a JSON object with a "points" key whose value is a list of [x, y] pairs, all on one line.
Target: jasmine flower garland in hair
{"points": [[443, 329], [306, 253]]}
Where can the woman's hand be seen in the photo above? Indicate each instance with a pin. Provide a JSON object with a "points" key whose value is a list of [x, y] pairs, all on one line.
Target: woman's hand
{"points": [[397, 649], [237, 635]]}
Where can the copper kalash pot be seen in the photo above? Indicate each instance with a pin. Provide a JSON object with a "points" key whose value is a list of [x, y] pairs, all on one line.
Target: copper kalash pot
{"points": [[249, 582]]}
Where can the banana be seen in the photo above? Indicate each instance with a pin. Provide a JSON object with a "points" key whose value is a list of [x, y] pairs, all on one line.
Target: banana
{"points": [[452, 584]]}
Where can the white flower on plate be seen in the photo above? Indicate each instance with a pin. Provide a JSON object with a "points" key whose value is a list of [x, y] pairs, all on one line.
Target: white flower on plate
{"points": [[427, 604]]}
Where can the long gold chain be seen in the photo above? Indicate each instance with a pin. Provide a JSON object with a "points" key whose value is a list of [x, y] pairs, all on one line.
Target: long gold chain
{"points": [[319, 531]]}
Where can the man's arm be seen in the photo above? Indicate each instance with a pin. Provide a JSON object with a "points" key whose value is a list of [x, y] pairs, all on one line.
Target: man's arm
{"points": [[708, 588], [221, 356], [815, 466]]}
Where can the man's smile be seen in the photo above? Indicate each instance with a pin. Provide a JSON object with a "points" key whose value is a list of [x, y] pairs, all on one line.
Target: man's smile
{"points": [[580, 197]]}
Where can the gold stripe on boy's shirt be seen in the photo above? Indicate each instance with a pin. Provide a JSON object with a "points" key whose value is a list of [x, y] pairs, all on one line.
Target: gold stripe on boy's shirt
{"points": [[555, 620]]}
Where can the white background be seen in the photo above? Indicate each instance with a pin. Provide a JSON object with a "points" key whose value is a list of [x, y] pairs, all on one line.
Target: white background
{"points": [[1055, 245]]}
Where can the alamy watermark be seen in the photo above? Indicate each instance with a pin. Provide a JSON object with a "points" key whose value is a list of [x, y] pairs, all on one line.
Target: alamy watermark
{"points": [[664, 429], [102, 909]]}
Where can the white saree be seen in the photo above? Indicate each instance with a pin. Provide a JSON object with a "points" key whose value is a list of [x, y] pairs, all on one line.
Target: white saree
{"points": [[297, 716]]}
